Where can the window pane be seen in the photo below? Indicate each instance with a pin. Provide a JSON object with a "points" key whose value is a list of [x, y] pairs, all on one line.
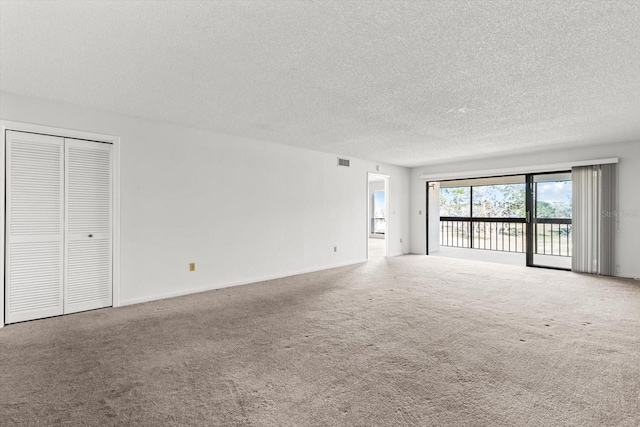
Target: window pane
{"points": [[379, 217], [455, 201], [553, 199], [499, 201]]}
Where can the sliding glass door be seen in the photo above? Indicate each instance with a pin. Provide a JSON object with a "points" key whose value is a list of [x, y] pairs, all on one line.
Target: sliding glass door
{"points": [[549, 224], [525, 214]]}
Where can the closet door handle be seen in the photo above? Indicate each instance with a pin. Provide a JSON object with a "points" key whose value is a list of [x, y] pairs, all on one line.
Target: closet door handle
{"points": [[90, 235]]}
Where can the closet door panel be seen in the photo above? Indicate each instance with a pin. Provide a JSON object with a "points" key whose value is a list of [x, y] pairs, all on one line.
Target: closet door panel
{"points": [[88, 277], [34, 226]]}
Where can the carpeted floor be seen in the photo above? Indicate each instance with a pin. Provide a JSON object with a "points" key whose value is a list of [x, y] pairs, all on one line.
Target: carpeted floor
{"points": [[377, 248], [404, 341]]}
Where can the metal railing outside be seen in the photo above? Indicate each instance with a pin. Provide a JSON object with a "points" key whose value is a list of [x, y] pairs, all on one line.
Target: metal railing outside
{"points": [[503, 234], [551, 236]]}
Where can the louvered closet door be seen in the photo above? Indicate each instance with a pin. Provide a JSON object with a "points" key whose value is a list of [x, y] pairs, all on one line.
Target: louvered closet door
{"points": [[88, 262], [34, 227]]}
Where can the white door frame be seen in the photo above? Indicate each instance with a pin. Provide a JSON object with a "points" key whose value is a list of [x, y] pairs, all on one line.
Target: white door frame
{"points": [[386, 209], [76, 134]]}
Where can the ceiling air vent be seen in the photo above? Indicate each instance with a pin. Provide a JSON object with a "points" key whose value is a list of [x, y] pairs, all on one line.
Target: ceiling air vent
{"points": [[343, 162]]}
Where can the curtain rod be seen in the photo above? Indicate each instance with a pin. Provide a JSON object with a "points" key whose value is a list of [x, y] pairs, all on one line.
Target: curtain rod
{"points": [[485, 173]]}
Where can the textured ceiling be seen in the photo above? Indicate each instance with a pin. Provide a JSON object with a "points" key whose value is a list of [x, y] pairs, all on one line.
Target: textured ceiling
{"points": [[410, 83]]}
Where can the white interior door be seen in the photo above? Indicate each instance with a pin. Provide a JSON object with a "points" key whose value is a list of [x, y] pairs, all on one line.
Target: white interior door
{"points": [[34, 226], [88, 254]]}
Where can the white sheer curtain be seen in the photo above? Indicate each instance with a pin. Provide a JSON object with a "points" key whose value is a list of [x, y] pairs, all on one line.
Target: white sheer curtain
{"points": [[594, 219]]}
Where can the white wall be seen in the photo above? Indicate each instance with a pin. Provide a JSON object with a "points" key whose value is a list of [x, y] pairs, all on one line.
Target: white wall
{"points": [[434, 212], [627, 251], [242, 210]]}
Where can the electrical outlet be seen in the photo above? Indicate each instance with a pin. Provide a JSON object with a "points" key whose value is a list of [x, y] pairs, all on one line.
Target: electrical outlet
{"points": [[419, 212], [335, 249], [192, 266], [400, 240]]}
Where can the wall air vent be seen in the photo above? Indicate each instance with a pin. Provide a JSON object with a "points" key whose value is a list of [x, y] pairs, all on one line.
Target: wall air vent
{"points": [[343, 162]]}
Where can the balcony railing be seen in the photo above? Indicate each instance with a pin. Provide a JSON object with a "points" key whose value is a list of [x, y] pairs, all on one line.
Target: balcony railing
{"points": [[552, 237], [504, 234]]}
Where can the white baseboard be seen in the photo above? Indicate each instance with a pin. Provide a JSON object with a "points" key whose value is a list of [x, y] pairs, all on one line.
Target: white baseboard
{"points": [[236, 283]]}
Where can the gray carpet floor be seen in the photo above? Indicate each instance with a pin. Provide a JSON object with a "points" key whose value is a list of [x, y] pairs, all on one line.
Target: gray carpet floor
{"points": [[377, 248], [404, 341]]}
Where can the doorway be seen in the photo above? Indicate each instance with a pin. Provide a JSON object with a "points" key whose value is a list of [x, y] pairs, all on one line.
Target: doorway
{"points": [[377, 215]]}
